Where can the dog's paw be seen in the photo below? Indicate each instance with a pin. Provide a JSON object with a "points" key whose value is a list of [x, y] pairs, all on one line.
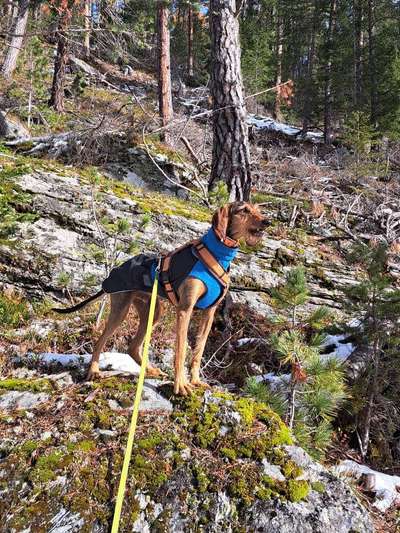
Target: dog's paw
{"points": [[154, 372], [183, 387], [92, 375], [199, 384]]}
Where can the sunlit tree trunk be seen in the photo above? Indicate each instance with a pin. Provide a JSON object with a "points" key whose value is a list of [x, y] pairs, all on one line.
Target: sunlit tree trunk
{"points": [[279, 58], [88, 24], [328, 134], [371, 62], [308, 92], [18, 29], [230, 158], [60, 63], [358, 48], [190, 29], [164, 68]]}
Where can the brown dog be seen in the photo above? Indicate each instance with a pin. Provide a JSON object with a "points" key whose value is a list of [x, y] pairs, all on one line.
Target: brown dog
{"points": [[232, 222]]}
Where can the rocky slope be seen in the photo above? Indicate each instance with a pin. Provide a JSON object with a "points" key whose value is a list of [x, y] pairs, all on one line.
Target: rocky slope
{"points": [[58, 224], [214, 462]]}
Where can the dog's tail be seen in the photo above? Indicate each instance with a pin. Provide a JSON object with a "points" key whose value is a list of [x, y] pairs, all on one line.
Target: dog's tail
{"points": [[80, 304]]}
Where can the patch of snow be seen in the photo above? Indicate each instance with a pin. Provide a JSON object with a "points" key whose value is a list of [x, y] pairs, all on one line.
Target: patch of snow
{"points": [[270, 124], [120, 362], [275, 381], [341, 350], [385, 486], [245, 340]]}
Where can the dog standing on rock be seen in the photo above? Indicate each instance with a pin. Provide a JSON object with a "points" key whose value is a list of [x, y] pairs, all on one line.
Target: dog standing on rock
{"points": [[194, 276]]}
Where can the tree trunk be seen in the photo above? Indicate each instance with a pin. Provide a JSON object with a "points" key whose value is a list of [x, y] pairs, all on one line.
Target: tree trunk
{"points": [[164, 68], [230, 158], [358, 48], [88, 24], [371, 63], [279, 57], [60, 63], [328, 134], [310, 72], [17, 39], [190, 69]]}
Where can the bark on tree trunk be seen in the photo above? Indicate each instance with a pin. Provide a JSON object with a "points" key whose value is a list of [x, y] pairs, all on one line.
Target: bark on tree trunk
{"points": [[328, 134], [190, 64], [310, 72], [279, 57], [371, 63], [60, 63], [230, 158], [87, 15], [164, 68], [18, 34], [358, 47]]}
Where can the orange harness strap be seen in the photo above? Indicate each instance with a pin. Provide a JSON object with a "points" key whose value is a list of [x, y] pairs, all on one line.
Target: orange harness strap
{"points": [[212, 264], [164, 272], [206, 258]]}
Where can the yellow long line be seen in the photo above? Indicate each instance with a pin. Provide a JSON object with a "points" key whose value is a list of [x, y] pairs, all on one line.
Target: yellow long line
{"points": [[135, 412]]}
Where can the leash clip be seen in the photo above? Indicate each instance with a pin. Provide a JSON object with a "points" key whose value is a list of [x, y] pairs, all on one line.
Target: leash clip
{"points": [[158, 267]]}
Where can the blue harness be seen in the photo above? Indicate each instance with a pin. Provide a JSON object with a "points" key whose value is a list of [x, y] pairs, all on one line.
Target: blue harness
{"points": [[214, 288]]}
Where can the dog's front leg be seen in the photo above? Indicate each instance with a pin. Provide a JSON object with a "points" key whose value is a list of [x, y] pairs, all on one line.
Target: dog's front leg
{"points": [[181, 385], [189, 292], [201, 339]]}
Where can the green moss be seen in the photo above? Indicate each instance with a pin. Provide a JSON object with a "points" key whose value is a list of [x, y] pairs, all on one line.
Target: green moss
{"points": [[297, 490], [318, 486], [230, 453], [13, 313], [27, 448], [47, 466], [291, 470], [150, 442], [202, 479], [20, 384], [15, 204]]}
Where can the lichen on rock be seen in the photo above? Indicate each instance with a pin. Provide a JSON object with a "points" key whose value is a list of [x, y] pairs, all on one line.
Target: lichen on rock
{"points": [[202, 467]]}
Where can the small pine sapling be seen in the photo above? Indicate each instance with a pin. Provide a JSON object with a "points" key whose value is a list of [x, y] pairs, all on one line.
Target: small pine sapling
{"points": [[375, 305], [315, 386]]}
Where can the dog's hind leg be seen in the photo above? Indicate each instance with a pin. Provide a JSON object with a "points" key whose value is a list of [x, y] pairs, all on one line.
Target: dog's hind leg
{"points": [[120, 303], [201, 339], [142, 304]]}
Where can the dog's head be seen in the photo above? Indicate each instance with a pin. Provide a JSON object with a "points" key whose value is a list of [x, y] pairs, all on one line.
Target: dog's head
{"points": [[240, 220]]}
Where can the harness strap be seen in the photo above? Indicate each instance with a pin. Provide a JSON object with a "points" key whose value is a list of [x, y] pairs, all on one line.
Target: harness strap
{"points": [[206, 258], [164, 278], [212, 264], [164, 272]]}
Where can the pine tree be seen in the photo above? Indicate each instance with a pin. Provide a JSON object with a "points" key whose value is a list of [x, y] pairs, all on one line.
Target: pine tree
{"points": [[375, 305], [315, 386], [231, 156]]}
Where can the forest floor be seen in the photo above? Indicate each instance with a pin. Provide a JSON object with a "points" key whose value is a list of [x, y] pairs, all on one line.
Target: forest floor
{"points": [[320, 199]]}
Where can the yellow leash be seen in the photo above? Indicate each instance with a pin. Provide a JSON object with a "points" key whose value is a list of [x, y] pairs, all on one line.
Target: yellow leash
{"points": [[132, 428]]}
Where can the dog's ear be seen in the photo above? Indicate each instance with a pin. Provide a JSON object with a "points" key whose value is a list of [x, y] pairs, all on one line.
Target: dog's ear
{"points": [[220, 220]]}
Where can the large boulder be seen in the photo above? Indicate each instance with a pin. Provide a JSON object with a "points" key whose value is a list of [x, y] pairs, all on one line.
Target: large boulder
{"points": [[216, 463], [11, 127]]}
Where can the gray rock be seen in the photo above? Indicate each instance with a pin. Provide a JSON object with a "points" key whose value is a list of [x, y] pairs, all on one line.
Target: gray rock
{"points": [[11, 128], [21, 400], [66, 522], [152, 400], [105, 435]]}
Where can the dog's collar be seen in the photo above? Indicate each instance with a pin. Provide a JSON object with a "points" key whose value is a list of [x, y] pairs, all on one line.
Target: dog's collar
{"points": [[227, 241]]}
